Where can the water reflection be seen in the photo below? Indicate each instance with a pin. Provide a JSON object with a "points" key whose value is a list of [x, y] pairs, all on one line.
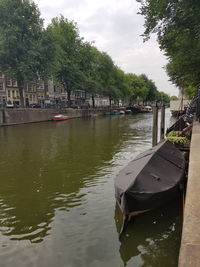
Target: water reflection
{"points": [[47, 165], [57, 195], [152, 236]]}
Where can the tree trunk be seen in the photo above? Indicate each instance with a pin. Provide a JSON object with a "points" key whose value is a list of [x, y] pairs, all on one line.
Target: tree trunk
{"points": [[110, 102], [21, 91], [131, 103], [69, 97], [93, 101], [4, 116]]}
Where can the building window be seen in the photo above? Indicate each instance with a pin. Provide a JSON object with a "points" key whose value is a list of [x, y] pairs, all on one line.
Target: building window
{"points": [[8, 93], [40, 86], [78, 94], [14, 83], [9, 82], [1, 86]]}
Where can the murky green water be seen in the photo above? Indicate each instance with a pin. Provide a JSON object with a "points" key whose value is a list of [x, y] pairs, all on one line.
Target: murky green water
{"points": [[57, 205]]}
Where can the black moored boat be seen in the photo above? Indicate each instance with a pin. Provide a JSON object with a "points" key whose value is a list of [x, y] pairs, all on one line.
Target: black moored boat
{"points": [[152, 179]]}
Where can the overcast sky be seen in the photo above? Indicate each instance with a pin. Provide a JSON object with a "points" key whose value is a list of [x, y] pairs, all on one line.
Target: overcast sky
{"points": [[115, 27]]}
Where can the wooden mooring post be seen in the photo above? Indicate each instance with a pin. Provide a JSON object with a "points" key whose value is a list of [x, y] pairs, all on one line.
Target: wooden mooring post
{"points": [[162, 123], [155, 126]]}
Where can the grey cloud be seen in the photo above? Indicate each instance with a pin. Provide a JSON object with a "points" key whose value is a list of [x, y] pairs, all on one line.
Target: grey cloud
{"points": [[114, 26], [119, 34], [116, 29], [65, 8]]}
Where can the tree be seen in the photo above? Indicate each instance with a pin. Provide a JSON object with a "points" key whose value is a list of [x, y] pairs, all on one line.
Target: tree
{"points": [[173, 97], [151, 88], [107, 77], [21, 31], [177, 26], [163, 97], [190, 92], [67, 63], [137, 88], [115, 88], [90, 64], [121, 84]]}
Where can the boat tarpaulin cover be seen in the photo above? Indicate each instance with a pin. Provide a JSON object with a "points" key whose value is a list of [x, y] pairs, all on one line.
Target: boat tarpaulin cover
{"points": [[179, 125], [151, 179]]}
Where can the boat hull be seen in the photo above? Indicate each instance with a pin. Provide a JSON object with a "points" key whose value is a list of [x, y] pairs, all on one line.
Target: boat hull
{"points": [[57, 119], [147, 202], [151, 180], [60, 117]]}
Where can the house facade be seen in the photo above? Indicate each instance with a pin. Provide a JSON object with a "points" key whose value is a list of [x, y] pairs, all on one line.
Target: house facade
{"points": [[44, 94], [3, 97]]}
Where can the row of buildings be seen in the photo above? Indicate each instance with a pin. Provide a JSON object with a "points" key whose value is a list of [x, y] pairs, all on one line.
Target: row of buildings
{"points": [[43, 94]]}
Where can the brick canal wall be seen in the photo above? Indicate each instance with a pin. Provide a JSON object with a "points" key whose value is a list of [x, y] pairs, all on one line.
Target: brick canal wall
{"points": [[20, 116]]}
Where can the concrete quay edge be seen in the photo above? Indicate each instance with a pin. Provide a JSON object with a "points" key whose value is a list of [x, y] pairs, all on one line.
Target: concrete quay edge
{"points": [[9, 117], [190, 244]]}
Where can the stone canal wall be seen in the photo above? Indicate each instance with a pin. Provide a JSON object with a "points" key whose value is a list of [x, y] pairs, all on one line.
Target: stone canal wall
{"points": [[190, 244], [20, 116]]}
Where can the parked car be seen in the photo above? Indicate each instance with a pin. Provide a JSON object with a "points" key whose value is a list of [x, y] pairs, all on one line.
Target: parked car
{"points": [[75, 106], [16, 105], [9, 104], [35, 106]]}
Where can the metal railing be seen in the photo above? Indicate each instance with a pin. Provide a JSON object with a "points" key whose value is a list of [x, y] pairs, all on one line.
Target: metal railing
{"points": [[198, 106], [191, 110]]}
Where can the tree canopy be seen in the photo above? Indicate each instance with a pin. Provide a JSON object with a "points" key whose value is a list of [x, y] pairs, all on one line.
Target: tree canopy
{"points": [[21, 32], [177, 24], [152, 92], [28, 51], [67, 53]]}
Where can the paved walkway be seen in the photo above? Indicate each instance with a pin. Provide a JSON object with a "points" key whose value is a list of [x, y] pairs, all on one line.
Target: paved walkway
{"points": [[190, 244]]}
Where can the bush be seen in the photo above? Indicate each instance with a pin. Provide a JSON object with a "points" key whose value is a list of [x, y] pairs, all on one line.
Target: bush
{"points": [[174, 138]]}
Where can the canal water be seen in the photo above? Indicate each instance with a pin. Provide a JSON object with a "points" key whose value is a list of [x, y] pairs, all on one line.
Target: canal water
{"points": [[57, 205]]}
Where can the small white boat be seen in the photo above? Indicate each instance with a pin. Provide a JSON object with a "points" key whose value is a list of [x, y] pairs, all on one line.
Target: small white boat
{"points": [[148, 108], [128, 111], [60, 117]]}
